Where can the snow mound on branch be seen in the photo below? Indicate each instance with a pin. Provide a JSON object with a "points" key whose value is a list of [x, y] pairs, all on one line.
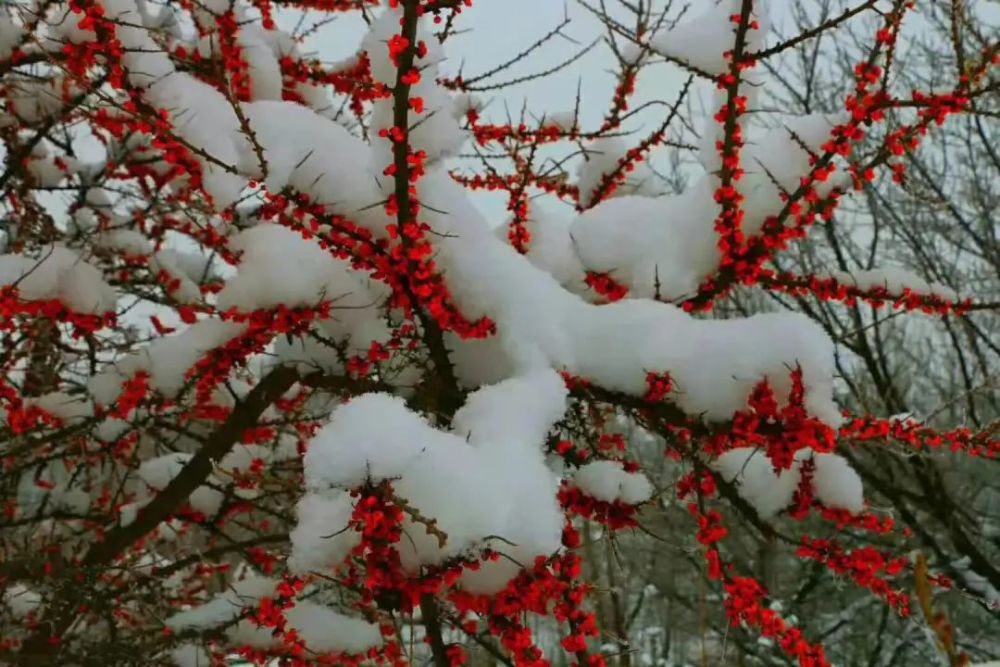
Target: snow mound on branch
{"points": [[62, 26], [365, 441], [715, 364], [21, 600], [158, 472], [309, 274], [498, 482], [200, 114], [59, 274], [170, 262], [702, 41], [34, 100], [834, 482], [521, 409], [45, 167], [665, 247], [602, 158], [69, 408], [340, 175], [322, 629], [167, 360], [204, 118], [258, 51], [551, 249], [109, 430], [894, 280], [608, 481], [224, 607], [655, 247], [777, 160], [321, 538], [126, 241], [190, 655], [11, 33], [758, 484]]}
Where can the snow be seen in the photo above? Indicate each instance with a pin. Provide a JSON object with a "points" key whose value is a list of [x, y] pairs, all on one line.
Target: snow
{"points": [[126, 241], [715, 364], [608, 481], [633, 53], [365, 441], [157, 473], [521, 409], [483, 478], [193, 264], [63, 27], [341, 176], [564, 120], [63, 494], [667, 246], [353, 329], [700, 41], [201, 115], [834, 482], [321, 515], [190, 655], [32, 101], [775, 160], [243, 456], [316, 276], [321, 628], [129, 512], [170, 262], [551, 249], [262, 62], [43, 167], [59, 273], [977, 583], [496, 448], [602, 157], [167, 360], [68, 408], [109, 430], [11, 34], [325, 630], [758, 484], [224, 607], [643, 242], [438, 133], [894, 280], [21, 600]]}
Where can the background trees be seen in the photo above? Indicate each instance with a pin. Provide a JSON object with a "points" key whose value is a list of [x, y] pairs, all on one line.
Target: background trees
{"points": [[704, 374]]}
